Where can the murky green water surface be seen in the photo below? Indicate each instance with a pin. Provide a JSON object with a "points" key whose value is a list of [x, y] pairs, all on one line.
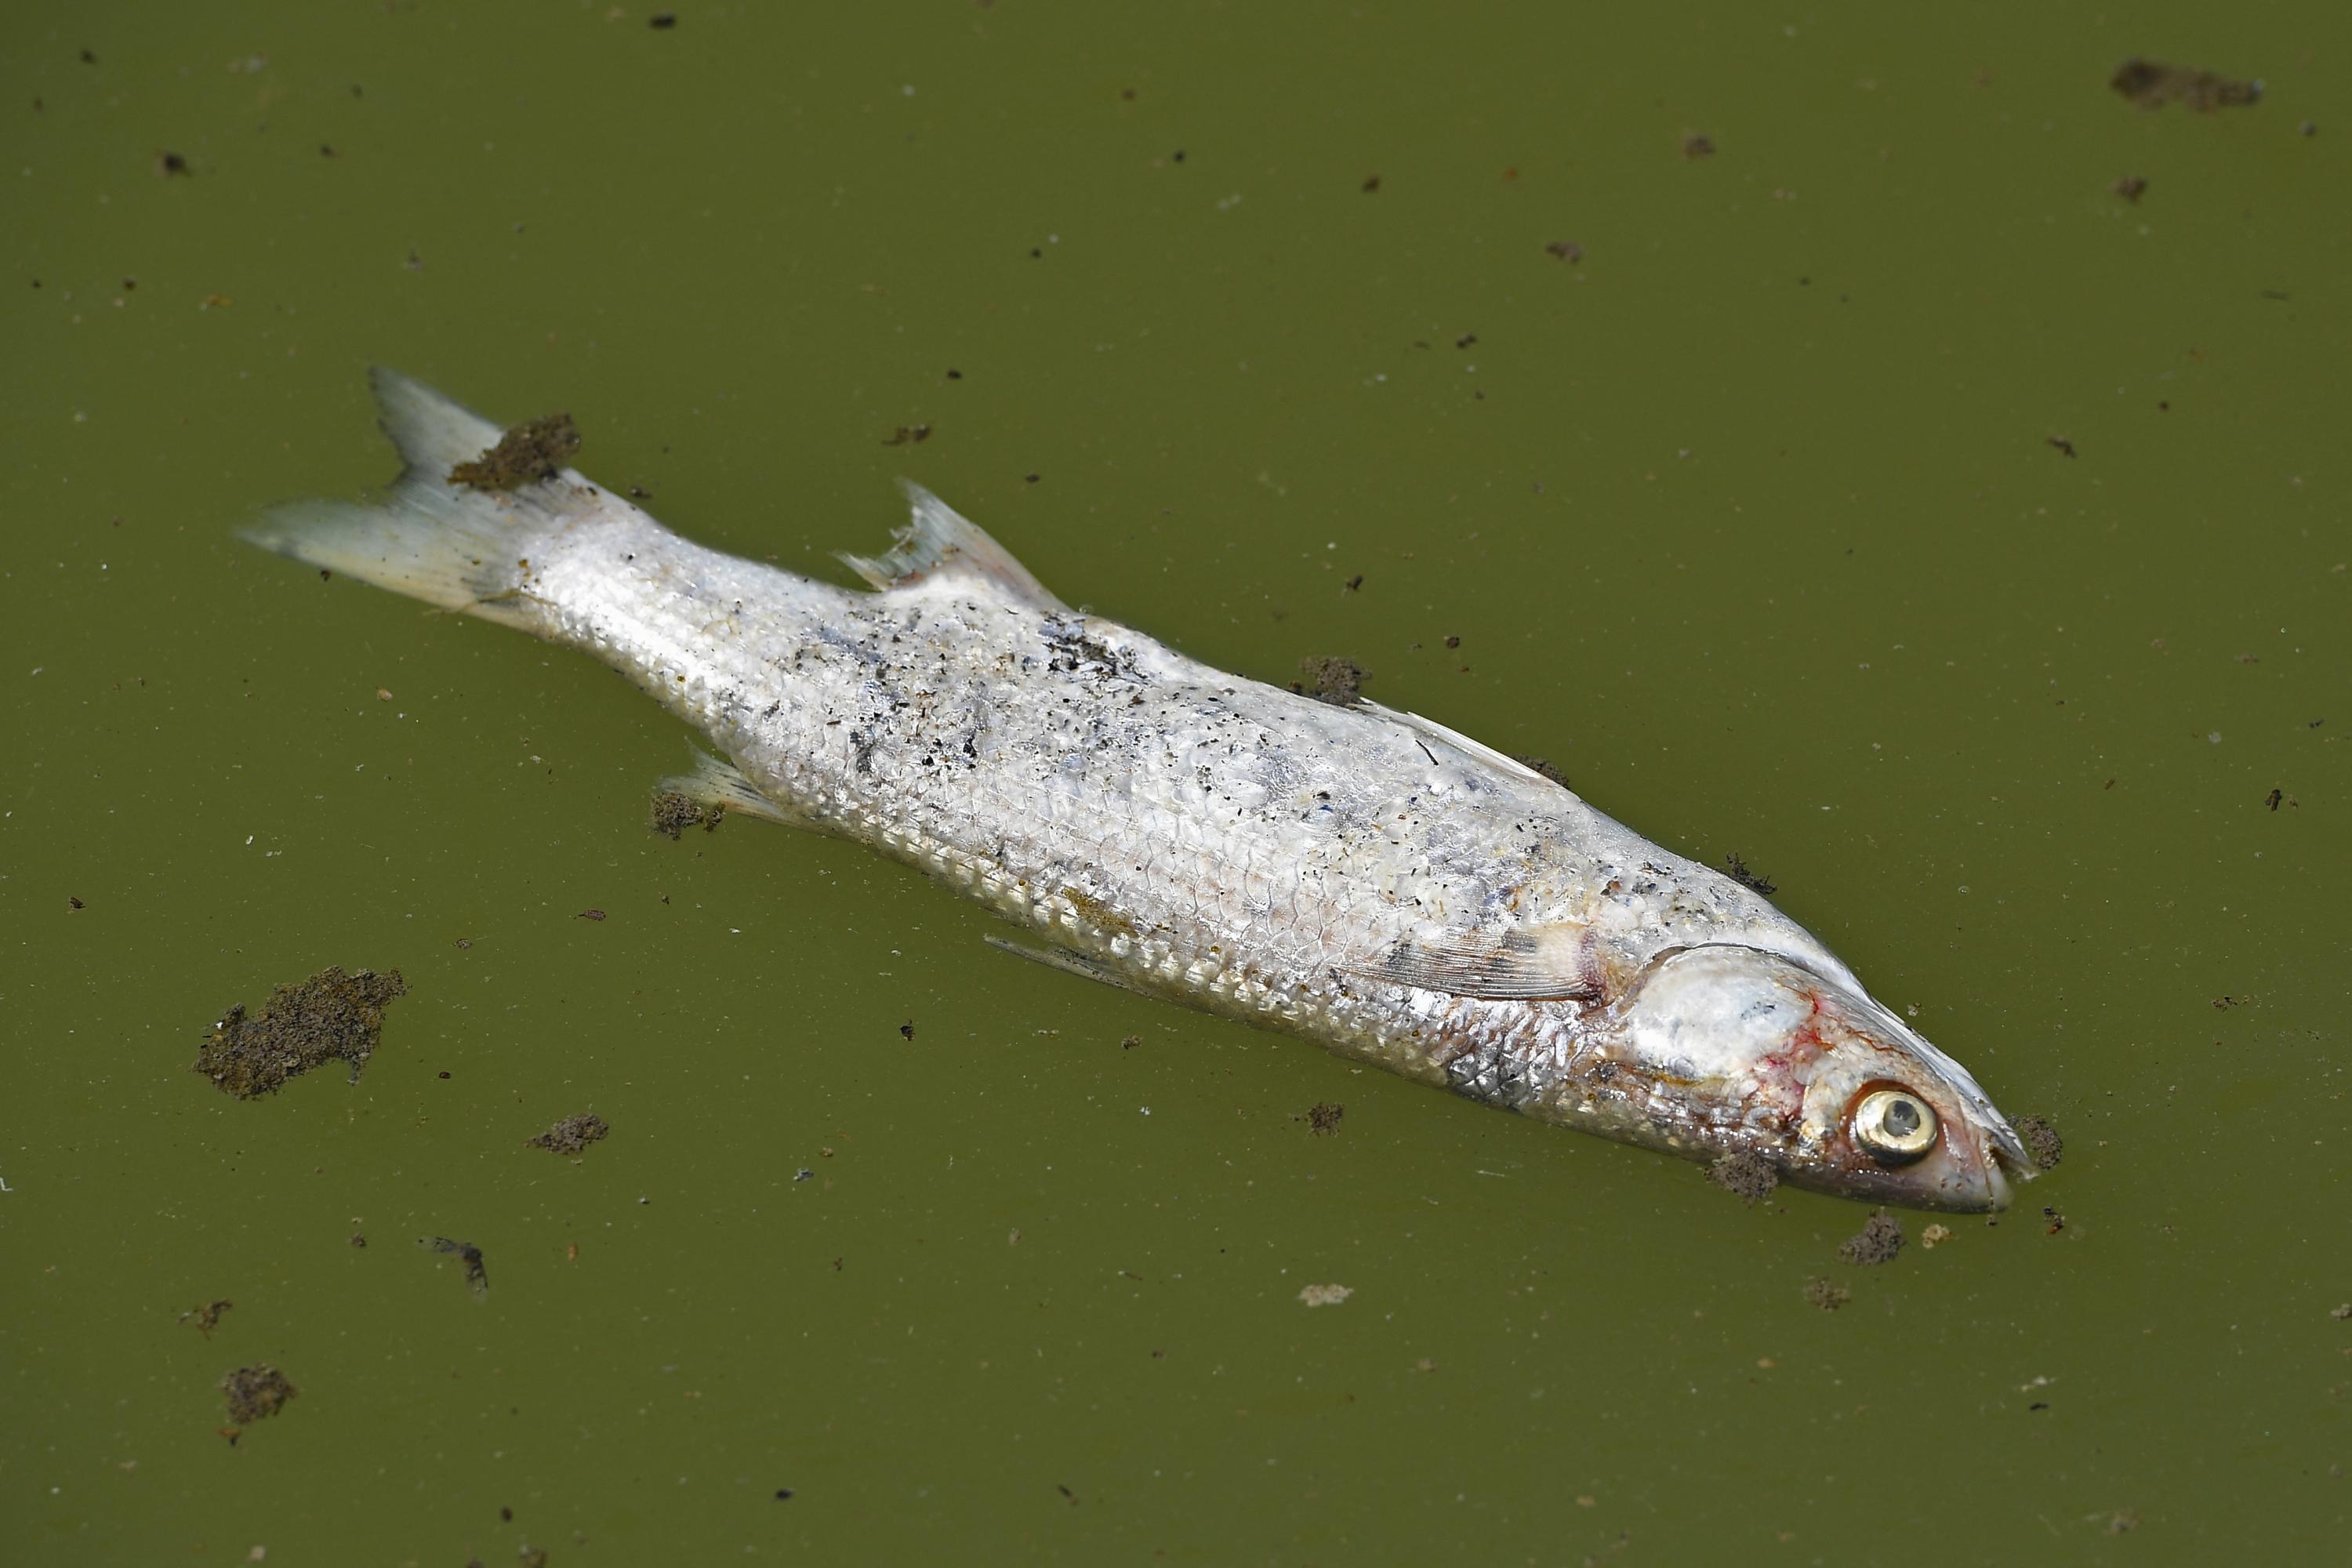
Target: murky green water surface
{"points": [[1750, 512]]}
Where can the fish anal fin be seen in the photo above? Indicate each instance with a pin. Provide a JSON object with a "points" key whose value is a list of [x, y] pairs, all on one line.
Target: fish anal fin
{"points": [[1553, 962], [1068, 962], [718, 785], [939, 542]]}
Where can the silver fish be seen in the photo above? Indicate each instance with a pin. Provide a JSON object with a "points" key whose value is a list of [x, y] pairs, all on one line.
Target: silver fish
{"points": [[1364, 878]]}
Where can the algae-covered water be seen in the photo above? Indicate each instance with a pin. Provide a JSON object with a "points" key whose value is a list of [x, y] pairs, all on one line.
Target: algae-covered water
{"points": [[1819, 447]]}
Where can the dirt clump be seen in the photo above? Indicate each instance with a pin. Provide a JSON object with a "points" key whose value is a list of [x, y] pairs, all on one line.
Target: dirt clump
{"points": [[572, 1134], [1747, 1173], [1333, 680], [673, 813], [1827, 1294], [1323, 1118], [1878, 1241], [2041, 1141], [256, 1391], [2151, 85], [331, 1016], [533, 450]]}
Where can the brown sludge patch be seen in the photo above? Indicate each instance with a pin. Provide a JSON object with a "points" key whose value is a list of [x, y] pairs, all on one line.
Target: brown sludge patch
{"points": [[1339, 681], [1878, 1241], [1543, 767], [2152, 85], [1323, 1118], [673, 813], [254, 1391], [2041, 1141], [1737, 870], [1827, 1294], [1746, 1172], [477, 1277], [533, 450], [331, 1015], [572, 1134]]}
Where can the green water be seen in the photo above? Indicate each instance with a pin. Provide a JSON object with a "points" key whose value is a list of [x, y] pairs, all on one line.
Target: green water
{"points": [[1749, 519]]}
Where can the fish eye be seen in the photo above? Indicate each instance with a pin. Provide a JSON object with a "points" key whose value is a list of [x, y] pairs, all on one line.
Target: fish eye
{"points": [[1894, 1126]]}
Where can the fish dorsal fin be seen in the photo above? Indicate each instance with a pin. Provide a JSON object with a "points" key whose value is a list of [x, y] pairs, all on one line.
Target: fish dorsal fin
{"points": [[1549, 961], [939, 542], [1476, 749], [433, 434]]}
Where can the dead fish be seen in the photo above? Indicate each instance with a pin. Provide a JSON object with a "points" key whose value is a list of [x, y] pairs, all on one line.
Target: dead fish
{"points": [[1362, 877]]}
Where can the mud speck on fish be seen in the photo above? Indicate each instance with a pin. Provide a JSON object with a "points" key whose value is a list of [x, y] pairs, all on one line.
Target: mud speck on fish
{"points": [[1747, 1173], [1827, 1294], [673, 813], [1338, 681], [477, 1277], [533, 450], [572, 1134], [256, 1391], [1878, 1241], [331, 1016], [2041, 1141]]}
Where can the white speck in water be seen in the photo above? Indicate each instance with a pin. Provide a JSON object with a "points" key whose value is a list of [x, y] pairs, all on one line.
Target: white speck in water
{"points": [[2212, 737]]}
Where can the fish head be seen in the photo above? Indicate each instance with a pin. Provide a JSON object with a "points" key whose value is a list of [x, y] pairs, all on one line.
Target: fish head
{"points": [[1803, 1069]]}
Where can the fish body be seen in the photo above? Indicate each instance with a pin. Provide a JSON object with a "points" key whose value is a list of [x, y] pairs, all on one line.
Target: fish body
{"points": [[1363, 878]]}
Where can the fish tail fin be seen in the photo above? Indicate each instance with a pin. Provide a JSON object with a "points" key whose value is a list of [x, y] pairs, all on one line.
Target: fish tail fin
{"points": [[455, 547]]}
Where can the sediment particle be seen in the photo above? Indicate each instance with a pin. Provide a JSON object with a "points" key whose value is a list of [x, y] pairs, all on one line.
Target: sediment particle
{"points": [[1827, 1294], [1338, 681]]}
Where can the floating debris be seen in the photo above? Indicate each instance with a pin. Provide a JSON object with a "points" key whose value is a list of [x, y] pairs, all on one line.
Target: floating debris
{"points": [[2041, 1141], [533, 450], [906, 433], [254, 1391], [1878, 1241], [1827, 1294], [673, 813], [2152, 85], [331, 1016], [571, 1135], [1737, 870], [1323, 1118], [1325, 1295], [1932, 1235], [477, 1277], [1338, 681], [1566, 250], [1696, 145], [2131, 187], [1747, 1173], [207, 1317]]}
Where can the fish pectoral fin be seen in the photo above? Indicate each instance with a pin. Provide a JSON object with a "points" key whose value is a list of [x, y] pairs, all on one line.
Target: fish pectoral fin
{"points": [[719, 786], [1066, 960], [939, 542], [1547, 963]]}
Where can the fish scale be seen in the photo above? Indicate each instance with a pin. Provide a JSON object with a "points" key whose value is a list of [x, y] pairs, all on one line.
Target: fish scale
{"points": [[1363, 878]]}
